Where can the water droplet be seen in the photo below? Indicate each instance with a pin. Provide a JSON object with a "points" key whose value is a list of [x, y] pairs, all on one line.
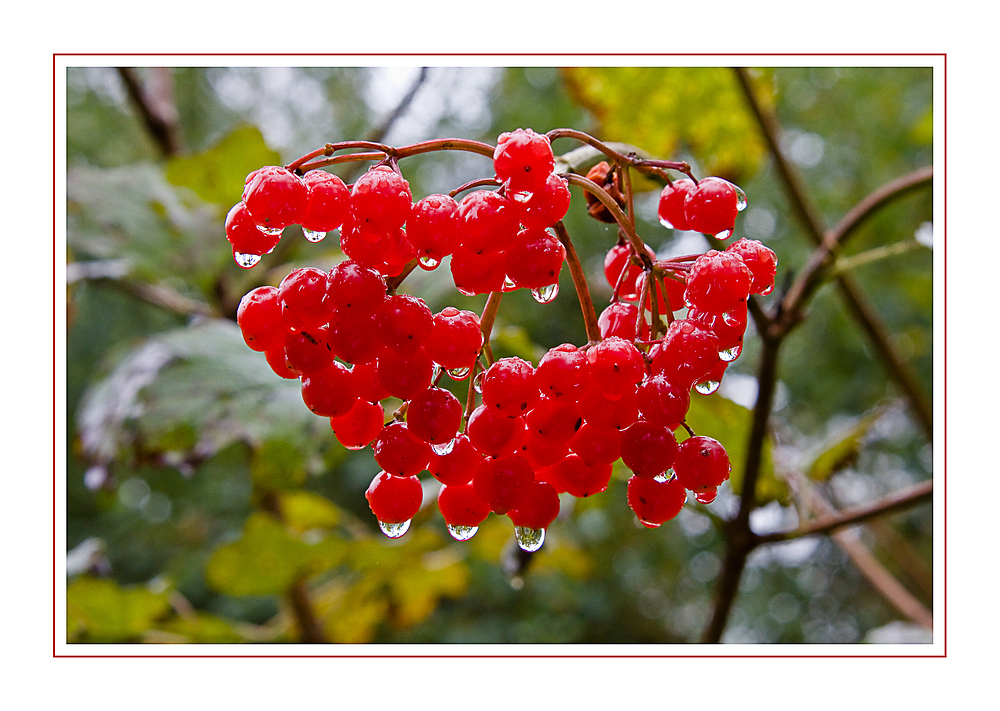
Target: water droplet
{"points": [[546, 294], [436, 372], [741, 199], [246, 260], [707, 387], [522, 196], [724, 234], [666, 223], [706, 497], [477, 383], [465, 292], [647, 524], [768, 290], [313, 235], [508, 284], [530, 539], [394, 530], [270, 231], [444, 448], [731, 354], [665, 476], [459, 373], [462, 533], [429, 263]]}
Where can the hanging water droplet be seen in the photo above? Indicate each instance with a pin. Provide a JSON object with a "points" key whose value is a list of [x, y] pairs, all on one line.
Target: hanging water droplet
{"points": [[462, 533], [465, 292], [428, 262], [270, 231], [741, 199], [522, 196], [707, 387], [724, 234], [707, 496], [477, 383], [666, 223], [529, 539], [394, 530], [313, 235], [665, 476], [246, 260], [647, 524], [768, 290], [436, 372], [508, 284], [444, 448], [546, 294], [459, 373], [731, 354]]}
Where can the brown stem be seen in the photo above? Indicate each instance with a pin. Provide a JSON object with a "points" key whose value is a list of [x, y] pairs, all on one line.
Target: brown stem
{"points": [[155, 103], [638, 246], [580, 284]]}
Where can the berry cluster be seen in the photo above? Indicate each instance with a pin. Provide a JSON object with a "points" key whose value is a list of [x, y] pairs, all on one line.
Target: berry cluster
{"points": [[538, 431]]}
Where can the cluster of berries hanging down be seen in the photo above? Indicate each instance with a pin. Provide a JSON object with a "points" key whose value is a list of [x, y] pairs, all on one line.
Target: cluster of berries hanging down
{"points": [[526, 433]]}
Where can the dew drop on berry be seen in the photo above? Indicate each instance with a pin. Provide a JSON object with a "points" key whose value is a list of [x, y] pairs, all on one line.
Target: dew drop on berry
{"points": [[477, 382], [445, 447], [313, 235], [730, 354], [664, 477], [508, 284], [741, 199], [546, 294], [521, 196], [465, 292], [706, 497], [707, 387], [647, 524], [724, 234], [666, 223], [429, 263], [270, 231], [459, 373], [246, 260], [394, 530], [529, 539], [462, 533]]}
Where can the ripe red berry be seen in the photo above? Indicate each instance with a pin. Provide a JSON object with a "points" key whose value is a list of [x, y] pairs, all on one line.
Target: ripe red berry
{"points": [[728, 327], [353, 340], [276, 358], [655, 502], [394, 500], [369, 387], [308, 351], [523, 160], [539, 508], [662, 401], [686, 353], [712, 206], [327, 201], [381, 199], [597, 445], [455, 340], [509, 387], [434, 415], [619, 319], [400, 452], [354, 290], [403, 323], [761, 262], [605, 413], [456, 466], [503, 483], [546, 206], [493, 433], [718, 281], [534, 259], [247, 241], [275, 197], [462, 508], [563, 372], [581, 479], [671, 207], [477, 272], [259, 318], [359, 426], [433, 229], [330, 392], [648, 449], [701, 463], [622, 273], [615, 366], [554, 419], [405, 375], [488, 222], [303, 298]]}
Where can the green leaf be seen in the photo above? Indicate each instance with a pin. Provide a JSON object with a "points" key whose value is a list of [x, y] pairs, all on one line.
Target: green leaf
{"points": [[278, 464], [729, 423], [99, 610], [305, 511], [217, 175], [267, 559], [201, 628], [842, 449], [667, 110]]}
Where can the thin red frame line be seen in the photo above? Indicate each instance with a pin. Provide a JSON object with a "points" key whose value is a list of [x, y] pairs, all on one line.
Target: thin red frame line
{"points": [[943, 55]]}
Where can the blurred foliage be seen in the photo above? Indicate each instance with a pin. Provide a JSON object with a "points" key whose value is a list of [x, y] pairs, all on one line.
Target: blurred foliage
{"points": [[213, 492]]}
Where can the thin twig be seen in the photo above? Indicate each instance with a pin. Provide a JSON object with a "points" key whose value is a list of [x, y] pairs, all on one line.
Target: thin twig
{"points": [[155, 103], [580, 284]]}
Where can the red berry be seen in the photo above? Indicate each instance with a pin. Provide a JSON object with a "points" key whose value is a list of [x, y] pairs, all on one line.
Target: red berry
{"points": [[509, 387], [581, 479], [462, 507], [615, 366], [303, 298], [663, 402], [366, 380], [563, 372], [701, 463], [276, 358], [618, 267], [394, 499], [477, 272], [433, 229], [648, 449], [539, 508], [434, 415], [360, 425], [761, 262], [718, 281], [604, 413], [493, 433], [455, 339], [247, 241], [655, 502], [597, 445], [405, 375], [488, 221], [403, 323], [554, 419], [309, 351], [381, 199], [728, 327], [503, 483], [671, 207], [327, 201], [534, 259], [354, 290], [712, 206], [523, 159], [540, 451], [456, 466], [546, 206], [353, 340], [259, 318], [619, 319], [330, 392], [275, 197], [686, 353], [400, 452]]}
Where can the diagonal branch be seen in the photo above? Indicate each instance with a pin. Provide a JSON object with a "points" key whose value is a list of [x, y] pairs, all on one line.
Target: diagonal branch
{"points": [[155, 103]]}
